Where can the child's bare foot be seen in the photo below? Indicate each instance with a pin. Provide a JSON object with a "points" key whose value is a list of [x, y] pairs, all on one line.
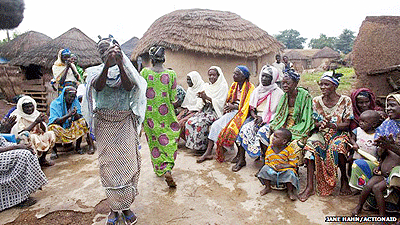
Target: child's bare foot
{"points": [[265, 191], [170, 181], [345, 189], [306, 194], [204, 158], [292, 196], [356, 210]]}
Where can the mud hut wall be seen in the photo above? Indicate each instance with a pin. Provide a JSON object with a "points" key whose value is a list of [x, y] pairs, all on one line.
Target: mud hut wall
{"points": [[299, 64], [11, 81], [316, 62], [378, 83], [183, 62]]}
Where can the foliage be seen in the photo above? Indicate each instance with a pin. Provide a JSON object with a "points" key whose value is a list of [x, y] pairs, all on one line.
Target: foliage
{"points": [[322, 41], [14, 35], [291, 38], [344, 42]]}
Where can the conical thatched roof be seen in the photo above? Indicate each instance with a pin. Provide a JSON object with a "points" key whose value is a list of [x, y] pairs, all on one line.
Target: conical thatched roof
{"points": [[209, 32], [326, 52], [300, 54], [22, 43], [377, 44], [74, 39], [11, 13], [128, 46]]}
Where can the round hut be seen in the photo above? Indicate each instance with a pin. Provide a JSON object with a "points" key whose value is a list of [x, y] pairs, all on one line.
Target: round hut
{"points": [[196, 39], [376, 54]]}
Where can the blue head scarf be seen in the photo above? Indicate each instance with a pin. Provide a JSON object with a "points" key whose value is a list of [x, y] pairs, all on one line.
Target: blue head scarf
{"points": [[58, 108], [66, 51], [244, 70]]}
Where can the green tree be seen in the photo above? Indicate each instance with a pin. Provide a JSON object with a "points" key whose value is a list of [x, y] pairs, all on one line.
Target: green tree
{"points": [[322, 41], [344, 42], [291, 38], [14, 35]]}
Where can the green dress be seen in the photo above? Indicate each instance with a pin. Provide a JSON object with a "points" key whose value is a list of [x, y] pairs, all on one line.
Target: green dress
{"points": [[160, 124]]}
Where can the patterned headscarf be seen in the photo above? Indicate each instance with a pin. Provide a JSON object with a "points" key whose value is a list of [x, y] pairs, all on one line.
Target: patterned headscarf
{"points": [[65, 51], [332, 77], [157, 53], [293, 75], [244, 70]]}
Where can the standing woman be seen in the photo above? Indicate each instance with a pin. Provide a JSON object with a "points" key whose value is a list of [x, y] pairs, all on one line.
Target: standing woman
{"points": [[160, 125], [64, 70], [326, 149], [119, 93], [211, 101], [263, 102], [189, 104]]}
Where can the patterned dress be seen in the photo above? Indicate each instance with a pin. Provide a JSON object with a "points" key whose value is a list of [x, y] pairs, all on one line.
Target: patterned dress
{"points": [[326, 144], [20, 175], [160, 124]]}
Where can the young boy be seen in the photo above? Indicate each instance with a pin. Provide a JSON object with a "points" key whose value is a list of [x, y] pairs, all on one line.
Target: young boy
{"points": [[389, 153], [280, 164]]}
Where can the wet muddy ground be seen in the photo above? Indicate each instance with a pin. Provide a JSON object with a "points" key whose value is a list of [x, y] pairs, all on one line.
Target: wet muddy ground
{"points": [[207, 193]]}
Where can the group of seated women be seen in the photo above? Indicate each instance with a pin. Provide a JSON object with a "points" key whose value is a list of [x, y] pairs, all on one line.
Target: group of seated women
{"points": [[287, 128]]}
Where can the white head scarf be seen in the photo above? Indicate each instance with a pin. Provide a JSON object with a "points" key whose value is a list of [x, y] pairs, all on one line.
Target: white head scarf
{"points": [[271, 93], [217, 91], [190, 101], [24, 120], [59, 69]]}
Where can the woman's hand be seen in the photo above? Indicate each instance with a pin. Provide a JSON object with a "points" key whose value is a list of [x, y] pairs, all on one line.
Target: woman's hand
{"points": [[203, 96], [258, 121], [72, 112], [41, 118], [229, 107]]}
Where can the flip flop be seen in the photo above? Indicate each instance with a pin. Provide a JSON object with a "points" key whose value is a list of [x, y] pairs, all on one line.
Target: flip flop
{"points": [[112, 221], [129, 218]]}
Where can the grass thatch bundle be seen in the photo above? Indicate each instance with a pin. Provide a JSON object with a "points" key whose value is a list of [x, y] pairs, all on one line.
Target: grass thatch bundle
{"points": [[74, 39], [300, 54], [209, 32], [377, 45], [11, 13], [23, 43]]}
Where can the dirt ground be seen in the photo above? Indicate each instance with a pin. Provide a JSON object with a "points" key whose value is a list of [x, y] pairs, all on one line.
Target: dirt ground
{"points": [[207, 193]]}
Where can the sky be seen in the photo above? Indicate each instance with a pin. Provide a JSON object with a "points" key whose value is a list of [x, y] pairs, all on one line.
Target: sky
{"points": [[125, 19]]}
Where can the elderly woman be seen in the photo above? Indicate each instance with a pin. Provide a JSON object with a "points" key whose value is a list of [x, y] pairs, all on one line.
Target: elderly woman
{"points": [[67, 123], [120, 105], [327, 148], [263, 102], [189, 104], [20, 174], [211, 101], [64, 70], [161, 126], [30, 128], [225, 129], [362, 99], [294, 113]]}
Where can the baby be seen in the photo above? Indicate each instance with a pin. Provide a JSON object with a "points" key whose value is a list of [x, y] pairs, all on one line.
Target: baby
{"points": [[280, 164]]}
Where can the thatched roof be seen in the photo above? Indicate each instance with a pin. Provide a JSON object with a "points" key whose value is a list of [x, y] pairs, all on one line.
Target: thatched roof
{"points": [[377, 44], [128, 46], [326, 52], [11, 13], [300, 54], [208, 31], [74, 39], [22, 43]]}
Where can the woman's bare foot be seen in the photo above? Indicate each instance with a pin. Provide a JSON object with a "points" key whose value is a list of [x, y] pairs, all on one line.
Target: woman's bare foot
{"points": [[112, 218], [292, 196], [265, 191], [170, 181], [204, 158], [238, 166], [306, 194], [345, 189], [356, 210]]}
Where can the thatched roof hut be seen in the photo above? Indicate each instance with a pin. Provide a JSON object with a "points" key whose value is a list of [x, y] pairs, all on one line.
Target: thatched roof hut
{"points": [[376, 52], [23, 43], [326, 52], [11, 13], [129, 45], [196, 39], [74, 39]]}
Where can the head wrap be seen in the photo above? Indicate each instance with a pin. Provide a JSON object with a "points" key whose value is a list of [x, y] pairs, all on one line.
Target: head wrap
{"points": [[262, 93], [356, 112], [293, 75], [20, 115], [332, 77], [157, 53], [190, 100], [395, 96], [65, 51], [104, 44], [244, 70]]}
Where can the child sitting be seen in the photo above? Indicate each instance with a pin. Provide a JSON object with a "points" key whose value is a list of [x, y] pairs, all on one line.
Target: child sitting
{"points": [[387, 172], [364, 152], [280, 164]]}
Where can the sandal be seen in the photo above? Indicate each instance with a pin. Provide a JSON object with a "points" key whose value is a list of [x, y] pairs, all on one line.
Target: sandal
{"points": [[112, 221], [91, 150], [129, 218]]}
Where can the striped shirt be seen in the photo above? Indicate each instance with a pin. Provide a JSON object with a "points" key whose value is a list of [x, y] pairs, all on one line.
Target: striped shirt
{"points": [[286, 156]]}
